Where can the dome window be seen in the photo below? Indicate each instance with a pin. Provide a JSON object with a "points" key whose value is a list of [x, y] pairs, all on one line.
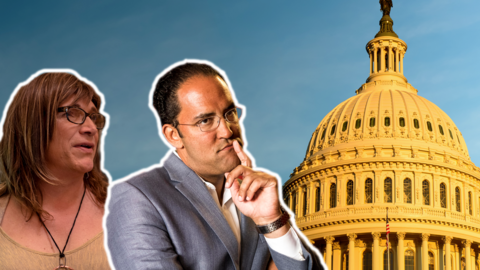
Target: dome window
{"points": [[358, 123], [416, 124], [323, 133], [441, 129], [457, 199], [333, 130], [451, 135], [429, 126], [317, 199], [387, 188], [350, 192], [402, 122], [458, 138], [368, 191], [372, 122], [333, 195], [443, 195], [294, 202], [387, 121], [345, 125], [305, 201], [426, 192], [407, 190]]}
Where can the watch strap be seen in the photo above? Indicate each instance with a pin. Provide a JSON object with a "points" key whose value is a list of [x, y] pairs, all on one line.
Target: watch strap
{"points": [[277, 224]]}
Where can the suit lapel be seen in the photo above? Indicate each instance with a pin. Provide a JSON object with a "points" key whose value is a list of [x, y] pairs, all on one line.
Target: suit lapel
{"points": [[249, 241], [192, 187]]}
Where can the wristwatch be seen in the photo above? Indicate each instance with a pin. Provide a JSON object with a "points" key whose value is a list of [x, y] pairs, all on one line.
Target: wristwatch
{"points": [[277, 224]]}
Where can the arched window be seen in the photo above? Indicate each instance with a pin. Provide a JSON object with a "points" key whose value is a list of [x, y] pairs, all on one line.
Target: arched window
{"points": [[333, 130], [372, 121], [305, 201], [387, 190], [407, 191], [440, 128], [470, 210], [345, 125], [294, 202], [416, 124], [429, 126], [317, 199], [368, 191], [458, 199], [385, 260], [458, 138], [350, 192], [409, 260], [451, 135], [443, 195], [367, 260], [387, 121], [426, 192], [402, 121], [379, 59], [358, 123], [333, 195], [323, 134], [387, 61], [431, 261]]}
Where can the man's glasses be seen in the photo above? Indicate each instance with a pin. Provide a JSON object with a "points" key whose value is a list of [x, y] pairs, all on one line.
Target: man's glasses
{"points": [[213, 122], [78, 116]]}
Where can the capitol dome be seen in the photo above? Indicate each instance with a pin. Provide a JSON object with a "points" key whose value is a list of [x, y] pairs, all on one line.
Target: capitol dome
{"points": [[387, 149]]}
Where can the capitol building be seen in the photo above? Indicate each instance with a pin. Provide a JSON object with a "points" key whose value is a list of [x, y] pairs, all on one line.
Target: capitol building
{"points": [[387, 147]]}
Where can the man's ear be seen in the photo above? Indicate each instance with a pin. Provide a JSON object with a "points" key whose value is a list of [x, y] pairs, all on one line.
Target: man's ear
{"points": [[172, 136]]}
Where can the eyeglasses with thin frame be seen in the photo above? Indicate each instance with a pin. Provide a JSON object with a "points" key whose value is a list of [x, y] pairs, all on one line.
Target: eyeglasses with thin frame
{"points": [[77, 116], [213, 122]]}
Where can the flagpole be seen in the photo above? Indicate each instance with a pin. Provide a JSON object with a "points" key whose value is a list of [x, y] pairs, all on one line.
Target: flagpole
{"points": [[388, 242]]}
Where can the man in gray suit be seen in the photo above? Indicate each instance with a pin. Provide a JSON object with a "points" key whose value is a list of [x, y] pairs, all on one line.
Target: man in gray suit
{"points": [[205, 208]]}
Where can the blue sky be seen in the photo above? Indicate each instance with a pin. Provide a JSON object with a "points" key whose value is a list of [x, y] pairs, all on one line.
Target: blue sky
{"points": [[287, 62]]}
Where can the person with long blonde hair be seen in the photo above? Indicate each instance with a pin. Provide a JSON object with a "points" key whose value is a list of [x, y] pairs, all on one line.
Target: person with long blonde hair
{"points": [[52, 187]]}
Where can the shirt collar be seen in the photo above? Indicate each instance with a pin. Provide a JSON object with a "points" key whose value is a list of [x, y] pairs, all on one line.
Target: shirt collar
{"points": [[227, 195]]}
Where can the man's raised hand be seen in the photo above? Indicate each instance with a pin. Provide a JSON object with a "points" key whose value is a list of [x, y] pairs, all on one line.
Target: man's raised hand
{"points": [[253, 192]]}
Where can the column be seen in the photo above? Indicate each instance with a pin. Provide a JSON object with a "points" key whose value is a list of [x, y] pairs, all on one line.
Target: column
{"points": [[401, 62], [371, 59], [397, 57], [337, 256], [401, 250], [425, 237], [468, 260], [328, 255], [477, 257], [351, 250], [375, 61], [376, 251]]}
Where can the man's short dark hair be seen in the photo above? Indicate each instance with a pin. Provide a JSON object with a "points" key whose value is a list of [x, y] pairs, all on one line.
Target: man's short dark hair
{"points": [[165, 100]]}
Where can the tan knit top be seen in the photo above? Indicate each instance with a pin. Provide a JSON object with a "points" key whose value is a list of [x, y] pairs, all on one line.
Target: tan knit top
{"points": [[13, 256]]}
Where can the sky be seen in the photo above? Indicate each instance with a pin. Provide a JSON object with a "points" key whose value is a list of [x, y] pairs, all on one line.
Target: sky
{"points": [[289, 63]]}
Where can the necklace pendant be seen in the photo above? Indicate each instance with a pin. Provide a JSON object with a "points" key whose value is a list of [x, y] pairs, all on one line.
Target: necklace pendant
{"points": [[62, 264], [63, 267]]}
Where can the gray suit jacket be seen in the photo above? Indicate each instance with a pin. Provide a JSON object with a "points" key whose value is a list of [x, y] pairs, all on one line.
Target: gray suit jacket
{"points": [[166, 219]]}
